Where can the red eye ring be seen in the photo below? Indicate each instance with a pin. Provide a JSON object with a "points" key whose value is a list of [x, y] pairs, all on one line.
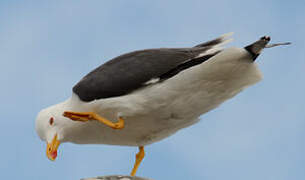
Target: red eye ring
{"points": [[51, 121]]}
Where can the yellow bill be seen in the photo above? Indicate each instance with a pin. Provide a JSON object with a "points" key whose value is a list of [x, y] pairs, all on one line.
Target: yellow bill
{"points": [[52, 148]]}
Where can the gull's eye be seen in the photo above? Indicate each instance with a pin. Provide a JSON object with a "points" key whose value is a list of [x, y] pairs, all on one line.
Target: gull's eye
{"points": [[51, 121]]}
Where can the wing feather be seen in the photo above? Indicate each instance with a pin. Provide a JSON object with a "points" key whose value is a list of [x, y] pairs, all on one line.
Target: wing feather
{"points": [[132, 71]]}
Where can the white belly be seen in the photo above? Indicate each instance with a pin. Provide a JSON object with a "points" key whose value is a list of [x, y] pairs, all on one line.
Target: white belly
{"points": [[159, 110]]}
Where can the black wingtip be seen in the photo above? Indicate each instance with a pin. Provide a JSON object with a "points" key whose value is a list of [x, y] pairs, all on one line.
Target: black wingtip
{"points": [[255, 48], [265, 38]]}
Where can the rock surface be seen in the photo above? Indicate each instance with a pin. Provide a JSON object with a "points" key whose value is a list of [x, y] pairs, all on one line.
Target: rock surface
{"points": [[117, 177]]}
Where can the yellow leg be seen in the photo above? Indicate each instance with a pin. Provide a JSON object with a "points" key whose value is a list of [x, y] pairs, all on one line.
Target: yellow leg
{"points": [[86, 116], [139, 158]]}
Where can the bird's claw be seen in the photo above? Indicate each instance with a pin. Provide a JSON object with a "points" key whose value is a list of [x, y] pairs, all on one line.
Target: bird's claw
{"points": [[77, 116], [86, 116], [119, 125]]}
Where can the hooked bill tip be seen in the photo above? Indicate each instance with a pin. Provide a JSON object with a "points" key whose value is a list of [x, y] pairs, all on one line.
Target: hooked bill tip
{"points": [[53, 156]]}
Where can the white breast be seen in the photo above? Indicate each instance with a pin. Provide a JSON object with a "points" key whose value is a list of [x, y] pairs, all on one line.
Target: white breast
{"points": [[160, 109]]}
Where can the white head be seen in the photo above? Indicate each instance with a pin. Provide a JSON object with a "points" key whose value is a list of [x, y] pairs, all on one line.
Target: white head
{"points": [[50, 125]]}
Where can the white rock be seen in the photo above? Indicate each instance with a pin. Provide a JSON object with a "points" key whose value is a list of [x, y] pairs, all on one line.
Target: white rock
{"points": [[117, 177]]}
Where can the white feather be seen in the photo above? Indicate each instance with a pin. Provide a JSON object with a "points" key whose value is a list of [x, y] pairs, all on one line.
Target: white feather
{"points": [[152, 81], [225, 38]]}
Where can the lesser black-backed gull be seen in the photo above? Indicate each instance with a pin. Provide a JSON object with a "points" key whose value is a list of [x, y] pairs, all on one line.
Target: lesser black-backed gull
{"points": [[144, 96]]}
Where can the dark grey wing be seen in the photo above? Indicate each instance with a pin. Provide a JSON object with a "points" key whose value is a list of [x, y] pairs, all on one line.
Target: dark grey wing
{"points": [[128, 72], [131, 71]]}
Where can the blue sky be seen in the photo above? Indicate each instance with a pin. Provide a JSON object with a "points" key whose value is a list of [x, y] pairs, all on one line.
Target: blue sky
{"points": [[47, 46]]}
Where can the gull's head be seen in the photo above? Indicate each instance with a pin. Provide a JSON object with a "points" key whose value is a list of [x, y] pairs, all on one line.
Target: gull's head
{"points": [[49, 126]]}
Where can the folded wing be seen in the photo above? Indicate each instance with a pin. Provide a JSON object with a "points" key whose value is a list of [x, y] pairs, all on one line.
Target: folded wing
{"points": [[131, 71]]}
